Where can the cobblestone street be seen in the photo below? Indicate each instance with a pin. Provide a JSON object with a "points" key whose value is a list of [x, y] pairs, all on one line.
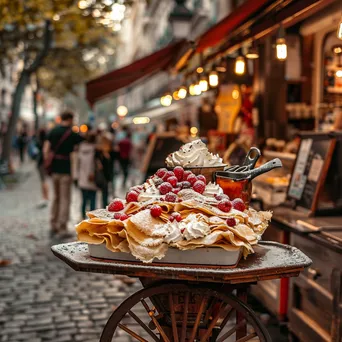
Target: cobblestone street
{"points": [[42, 299]]}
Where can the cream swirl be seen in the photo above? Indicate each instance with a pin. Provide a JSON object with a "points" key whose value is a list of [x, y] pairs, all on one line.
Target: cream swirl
{"points": [[195, 226], [193, 154], [150, 192], [173, 233], [212, 189]]}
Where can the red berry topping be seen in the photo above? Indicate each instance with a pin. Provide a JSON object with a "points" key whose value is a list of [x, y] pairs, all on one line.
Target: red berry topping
{"points": [[167, 175], [176, 190], [199, 186], [124, 217], [132, 196], [165, 187], [175, 213], [192, 179], [221, 197], [173, 181], [202, 178], [161, 172], [225, 205], [231, 222], [117, 216], [239, 204], [171, 197], [186, 185], [179, 172], [156, 210], [116, 205], [171, 218], [177, 216], [186, 175]]}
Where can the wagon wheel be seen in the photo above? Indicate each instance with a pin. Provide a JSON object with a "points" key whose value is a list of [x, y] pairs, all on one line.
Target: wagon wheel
{"points": [[183, 313]]}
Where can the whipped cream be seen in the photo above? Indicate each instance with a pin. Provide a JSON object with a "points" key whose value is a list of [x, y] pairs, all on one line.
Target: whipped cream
{"points": [[193, 154], [150, 192], [174, 233], [212, 189], [195, 226]]}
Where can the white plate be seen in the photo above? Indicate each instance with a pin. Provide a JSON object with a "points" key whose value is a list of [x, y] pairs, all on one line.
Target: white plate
{"points": [[199, 256]]}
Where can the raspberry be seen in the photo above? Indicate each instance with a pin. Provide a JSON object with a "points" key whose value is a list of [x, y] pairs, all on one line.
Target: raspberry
{"points": [[171, 218], [186, 175], [123, 217], [116, 205], [173, 181], [167, 175], [161, 172], [165, 187], [225, 205], [132, 196], [231, 222], [186, 185], [179, 172], [221, 197], [171, 197], [176, 190], [117, 216], [177, 216], [239, 204], [199, 186], [192, 179], [202, 178], [156, 210]]}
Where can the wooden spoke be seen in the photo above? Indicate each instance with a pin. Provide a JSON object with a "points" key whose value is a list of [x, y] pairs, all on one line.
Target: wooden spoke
{"points": [[155, 321], [198, 318], [231, 331], [226, 319], [247, 338], [173, 318], [143, 325], [185, 316], [132, 333], [213, 323]]}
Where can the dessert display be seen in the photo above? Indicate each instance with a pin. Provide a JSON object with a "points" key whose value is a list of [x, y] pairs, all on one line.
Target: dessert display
{"points": [[174, 210], [195, 157]]}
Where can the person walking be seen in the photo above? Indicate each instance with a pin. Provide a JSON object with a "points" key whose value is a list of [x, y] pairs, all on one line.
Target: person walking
{"points": [[125, 148], [41, 137], [86, 172], [57, 149], [22, 142], [104, 166]]}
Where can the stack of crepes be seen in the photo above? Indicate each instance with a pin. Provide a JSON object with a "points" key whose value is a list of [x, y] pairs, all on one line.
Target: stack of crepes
{"points": [[200, 223]]}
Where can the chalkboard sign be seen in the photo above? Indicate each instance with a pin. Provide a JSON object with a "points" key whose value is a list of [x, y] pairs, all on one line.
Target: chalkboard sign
{"points": [[160, 146], [310, 170]]}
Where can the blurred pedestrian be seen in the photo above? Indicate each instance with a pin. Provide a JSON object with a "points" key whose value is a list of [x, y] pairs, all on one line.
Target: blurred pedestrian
{"points": [[22, 142], [104, 165], [86, 172], [57, 149], [40, 140], [125, 148]]}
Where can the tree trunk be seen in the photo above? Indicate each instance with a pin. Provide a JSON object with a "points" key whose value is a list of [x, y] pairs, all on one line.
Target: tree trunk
{"points": [[35, 110], [19, 91]]}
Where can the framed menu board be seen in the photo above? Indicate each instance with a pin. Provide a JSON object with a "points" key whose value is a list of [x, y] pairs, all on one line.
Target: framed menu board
{"points": [[310, 170]]}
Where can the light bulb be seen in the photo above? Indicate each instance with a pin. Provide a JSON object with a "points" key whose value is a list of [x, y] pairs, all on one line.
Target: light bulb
{"points": [[122, 111], [83, 128], [197, 89], [240, 65], [339, 30], [339, 73], [203, 83], [252, 53], [281, 48], [175, 95], [192, 89], [166, 100], [199, 70], [182, 92], [213, 79]]}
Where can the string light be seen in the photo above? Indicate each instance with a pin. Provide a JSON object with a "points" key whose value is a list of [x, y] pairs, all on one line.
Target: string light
{"points": [[197, 89], [203, 83], [141, 120], [122, 111], [166, 100], [252, 52], [281, 46], [213, 79], [75, 129], [339, 30], [82, 4], [175, 95], [193, 131], [339, 73], [83, 128], [240, 65], [199, 70], [182, 92], [192, 89]]}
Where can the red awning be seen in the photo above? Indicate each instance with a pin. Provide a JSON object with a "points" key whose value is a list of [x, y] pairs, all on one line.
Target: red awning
{"points": [[220, 31], [120, 78]]}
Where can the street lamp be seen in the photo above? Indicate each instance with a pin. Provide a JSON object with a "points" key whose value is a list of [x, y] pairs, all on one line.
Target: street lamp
{"points": [[180, 20]]}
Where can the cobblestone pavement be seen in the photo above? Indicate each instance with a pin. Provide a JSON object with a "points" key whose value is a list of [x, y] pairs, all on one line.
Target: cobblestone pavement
{"points": [[42, 299]]}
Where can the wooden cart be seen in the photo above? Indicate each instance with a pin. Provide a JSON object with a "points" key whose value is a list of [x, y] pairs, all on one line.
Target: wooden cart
{"points": [[181, 303]]}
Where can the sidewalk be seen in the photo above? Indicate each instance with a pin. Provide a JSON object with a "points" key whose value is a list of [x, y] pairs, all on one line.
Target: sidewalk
{"points": [[42, 299]]}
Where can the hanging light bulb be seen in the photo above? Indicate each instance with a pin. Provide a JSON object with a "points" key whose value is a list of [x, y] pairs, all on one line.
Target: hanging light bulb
{"points": [[281, 46], [192, 89], [203, 83], [175, 95], [339, 30], [166, 100], [182, 92], [213, 79], [197, 89], [240, 65], [199, 70], [252, 52]]}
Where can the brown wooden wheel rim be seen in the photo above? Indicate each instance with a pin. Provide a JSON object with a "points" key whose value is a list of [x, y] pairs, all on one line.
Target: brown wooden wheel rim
{"points": [[207, 323]]}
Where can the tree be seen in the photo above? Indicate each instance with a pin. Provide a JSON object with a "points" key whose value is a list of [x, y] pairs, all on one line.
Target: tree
{"points": [[52, 37]]}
